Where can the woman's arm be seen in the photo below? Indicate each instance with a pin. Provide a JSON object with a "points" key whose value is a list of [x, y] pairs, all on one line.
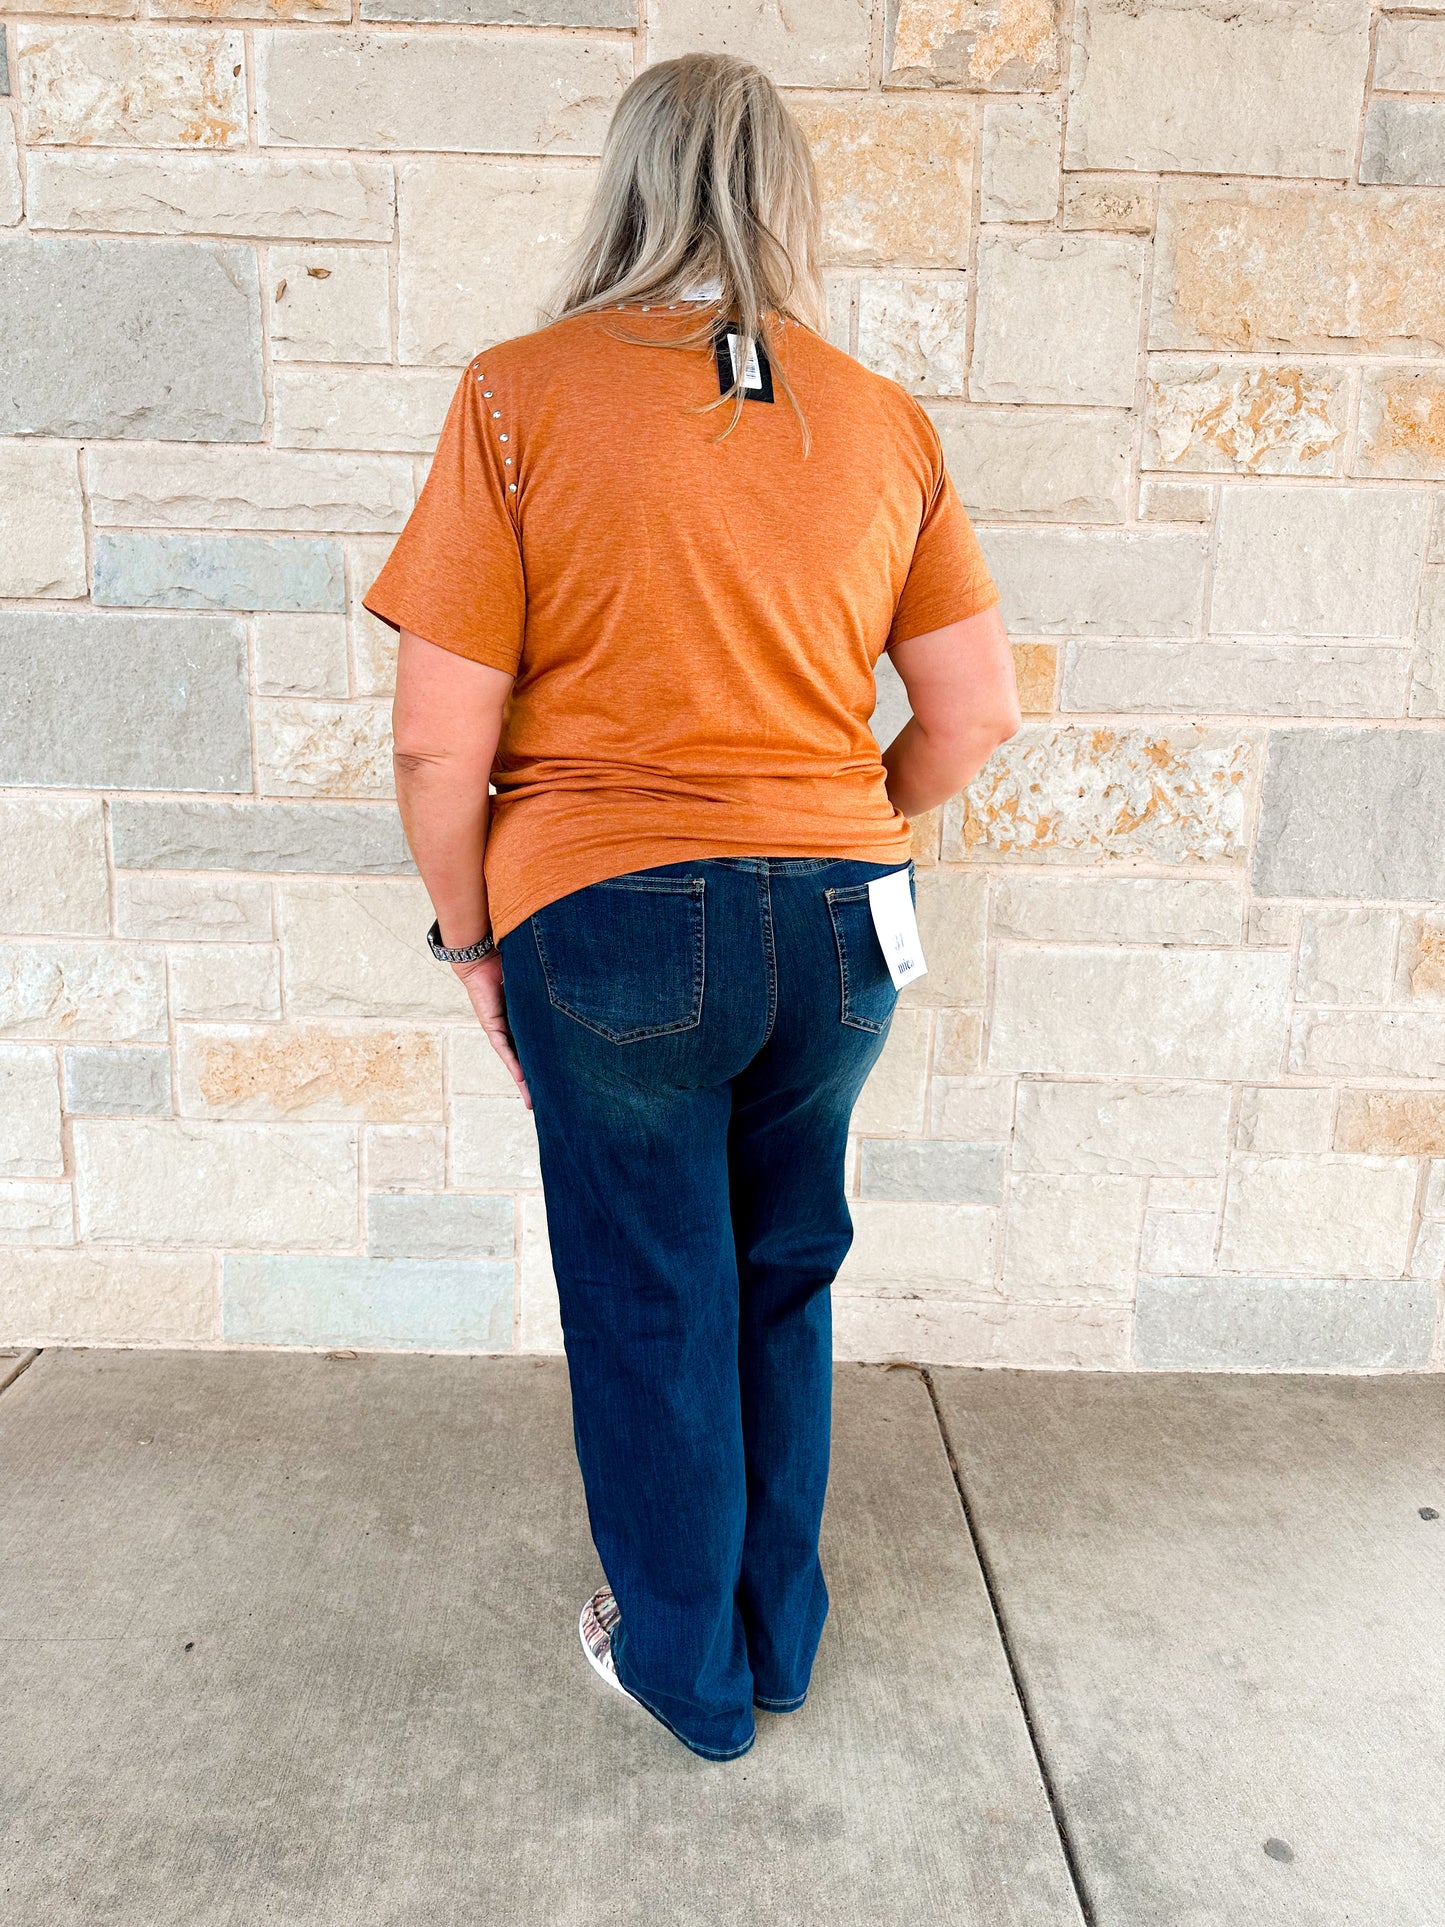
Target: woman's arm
{"points": [[446, 721], [961, 688]]}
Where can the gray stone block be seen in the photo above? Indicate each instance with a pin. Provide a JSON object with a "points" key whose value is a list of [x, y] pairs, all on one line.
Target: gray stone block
{"points": [[936, 1170], [374, 1303], [329, 839], [417, 1226], [144, 339], [118, 1083], [124, 702], [506, 13], [1404, 142], [4, 63], [218, 572], [1283, 1324], [1353, 813]]}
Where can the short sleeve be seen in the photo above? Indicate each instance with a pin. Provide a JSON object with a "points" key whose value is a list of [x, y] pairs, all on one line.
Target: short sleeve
{"points": [[948, 579], [455, 576]]}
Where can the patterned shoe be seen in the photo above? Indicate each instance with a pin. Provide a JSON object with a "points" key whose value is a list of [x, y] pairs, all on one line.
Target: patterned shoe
{"points": [[599, 1617]]}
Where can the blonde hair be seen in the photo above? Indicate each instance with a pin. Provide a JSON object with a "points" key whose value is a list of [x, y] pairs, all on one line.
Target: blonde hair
{"points": [[705, 177]]}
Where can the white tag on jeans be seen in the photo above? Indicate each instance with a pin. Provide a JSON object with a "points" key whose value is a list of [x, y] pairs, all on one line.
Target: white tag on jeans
{"points": [[891, 901]]}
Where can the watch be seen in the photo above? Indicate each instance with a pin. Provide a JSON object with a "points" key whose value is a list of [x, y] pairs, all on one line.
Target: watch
{"points": [[467, 953]]}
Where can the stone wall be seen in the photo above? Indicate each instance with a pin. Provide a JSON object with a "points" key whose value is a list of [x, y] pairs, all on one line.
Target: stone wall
{"points": [[1170, 275]]}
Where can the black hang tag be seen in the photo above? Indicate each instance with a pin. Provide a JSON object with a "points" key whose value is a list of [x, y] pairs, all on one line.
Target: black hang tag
{"points": [[726, 345]]}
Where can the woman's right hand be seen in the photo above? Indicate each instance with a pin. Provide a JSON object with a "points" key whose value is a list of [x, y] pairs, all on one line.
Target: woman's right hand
{"points": [[484, 986]]}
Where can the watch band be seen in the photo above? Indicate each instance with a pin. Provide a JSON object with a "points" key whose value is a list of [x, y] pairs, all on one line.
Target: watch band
{"points": [[467, 953]]}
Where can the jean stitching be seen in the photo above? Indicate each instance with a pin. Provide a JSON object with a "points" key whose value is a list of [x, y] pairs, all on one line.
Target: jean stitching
{"points": [[847, 1015], [693, 1746], [777, 1706], [696, 890], [770, 955]]}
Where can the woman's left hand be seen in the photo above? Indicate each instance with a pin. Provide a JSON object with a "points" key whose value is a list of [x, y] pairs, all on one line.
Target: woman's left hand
{"points": [[483, 983]]}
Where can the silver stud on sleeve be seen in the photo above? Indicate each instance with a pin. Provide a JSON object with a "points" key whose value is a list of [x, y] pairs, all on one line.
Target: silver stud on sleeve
{"points": [[504, 438], [511, 488], [496, 414]]}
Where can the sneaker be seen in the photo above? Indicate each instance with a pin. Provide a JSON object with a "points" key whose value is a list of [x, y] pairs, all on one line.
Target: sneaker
{"points": [[599, 1616]]}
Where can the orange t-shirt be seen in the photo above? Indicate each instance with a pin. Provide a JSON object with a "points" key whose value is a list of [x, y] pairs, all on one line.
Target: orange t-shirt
{"points": [[692, 623]]}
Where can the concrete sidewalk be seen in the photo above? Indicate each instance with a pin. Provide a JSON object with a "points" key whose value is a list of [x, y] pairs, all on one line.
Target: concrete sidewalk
{"points": [[289, 1639]]}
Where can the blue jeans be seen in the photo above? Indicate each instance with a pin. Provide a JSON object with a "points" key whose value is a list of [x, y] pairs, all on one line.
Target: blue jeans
{"points": [[694, 1037]]}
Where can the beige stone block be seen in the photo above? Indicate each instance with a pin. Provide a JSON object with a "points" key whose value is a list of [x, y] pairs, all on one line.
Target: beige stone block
{"points": [[1237, 678], [818, 43], [464, 282], [958, 1045], [1116, 205], [914, 330], [1177, 1244], [1020, 160], [1036, 1337], [1427, 1256], [36, 1214], [1072, 1238], [29, 1113], [1319, 561], [1303, 269], [83, 992], [1056, 795], [1099, 582], [1434, 1206], [923, 835], [895, 177], [978, 1110], [404, 1157], [254, 9], [1038, 464], [170, 908], [43, 553], [1369, 1043], [1036, 671], [1410, 56], [1318, 1216], [300, 655], [1402, 423], [232, 194], [1175, 501], [223, 983], [1058, 319], [130, 86], [1420, 977], [53, 879], [1279, 1119], [1008, 45], [892, 1101], [1273, 926], [1187, 1194], [1076, 1011], [1114, 909], [113, 9], [1214, 88], [494, 1145], [168, 485], [12, 192], [1346, 956], [373, 643], [1267, 418], [358, 949], [89, 1297], [296, 1071], [323, 749], [952, 918], [1121, 1130], [329, 304], [1391, 1123], [364, 408], [492, 94], [264, 1187], [841, 293], [474, 1068], [1427, 685], [920, 1249], [540, 1315]]}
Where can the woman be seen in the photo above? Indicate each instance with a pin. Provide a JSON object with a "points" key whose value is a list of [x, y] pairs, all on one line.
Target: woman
{"points": [[661, 547]]}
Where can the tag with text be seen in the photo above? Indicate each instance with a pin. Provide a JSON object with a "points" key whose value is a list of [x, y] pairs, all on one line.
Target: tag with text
{"points": [[891, 901]]}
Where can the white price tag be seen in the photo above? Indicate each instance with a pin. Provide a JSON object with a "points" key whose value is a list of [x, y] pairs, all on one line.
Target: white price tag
{"points": [[753, 377], [891, 901]]}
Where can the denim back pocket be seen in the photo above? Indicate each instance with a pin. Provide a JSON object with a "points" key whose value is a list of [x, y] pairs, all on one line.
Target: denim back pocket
{"points": [[625, 957], [868, 990]]}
